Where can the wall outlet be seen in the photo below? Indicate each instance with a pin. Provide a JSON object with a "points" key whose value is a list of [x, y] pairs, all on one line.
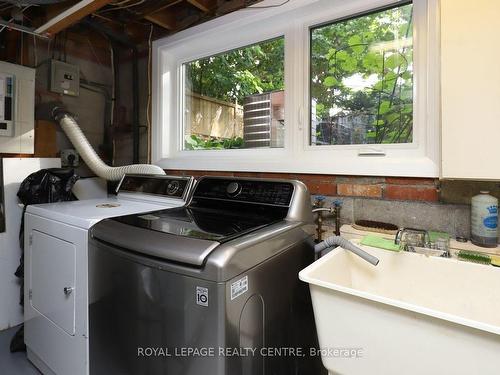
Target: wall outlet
{"points": [[69, 158]]}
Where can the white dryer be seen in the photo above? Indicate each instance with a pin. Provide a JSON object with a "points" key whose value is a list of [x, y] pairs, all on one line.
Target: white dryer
{"points": [[56, 266]]}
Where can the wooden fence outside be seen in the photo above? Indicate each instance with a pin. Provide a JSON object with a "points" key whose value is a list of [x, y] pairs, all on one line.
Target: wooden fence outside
{"points": [[209, 117]]}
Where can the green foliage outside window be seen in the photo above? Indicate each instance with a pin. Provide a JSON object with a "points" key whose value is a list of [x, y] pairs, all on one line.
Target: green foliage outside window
{"points": [[233, 75], [376, 51], [194, 142], [230, 77]]}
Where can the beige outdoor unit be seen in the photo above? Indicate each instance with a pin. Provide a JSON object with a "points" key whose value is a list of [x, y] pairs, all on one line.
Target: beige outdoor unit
{"points": [[263, 120]]}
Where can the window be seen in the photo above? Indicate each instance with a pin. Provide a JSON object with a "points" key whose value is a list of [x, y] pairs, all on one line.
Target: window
{"points": [[362, 79], [312, 86], [236, 99]]}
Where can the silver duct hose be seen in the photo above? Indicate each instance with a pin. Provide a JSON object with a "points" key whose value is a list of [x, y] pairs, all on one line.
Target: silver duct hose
{"points": [[347, 245], [93, 161]]}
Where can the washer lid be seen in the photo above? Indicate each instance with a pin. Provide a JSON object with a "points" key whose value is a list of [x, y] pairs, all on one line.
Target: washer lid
{"points": [[157, 244], [203, 223]]}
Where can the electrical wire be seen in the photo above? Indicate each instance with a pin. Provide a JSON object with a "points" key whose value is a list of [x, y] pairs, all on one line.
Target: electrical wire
{"points": [[121, 7], [148, 119], [94, 53], [22, 44], [21, 50], [113, 86], [65, 45], [119, 3], [48, 47], [133, 5], [35, 55], [6, 7], [51, 47], [267, 6], [12, 19]]}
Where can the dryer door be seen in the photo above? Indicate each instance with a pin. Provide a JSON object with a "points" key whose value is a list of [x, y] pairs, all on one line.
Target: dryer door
{"points": [[52, 279]]}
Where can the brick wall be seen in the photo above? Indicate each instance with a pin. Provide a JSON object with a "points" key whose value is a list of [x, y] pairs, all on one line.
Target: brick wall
{"points": [[424, 203], [386, 188]]}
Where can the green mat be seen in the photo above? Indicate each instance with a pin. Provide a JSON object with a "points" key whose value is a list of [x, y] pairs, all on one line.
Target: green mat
{"points": [[381, 243]]}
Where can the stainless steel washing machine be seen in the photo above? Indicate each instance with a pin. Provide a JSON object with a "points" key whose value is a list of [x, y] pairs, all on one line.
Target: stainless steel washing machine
{"points": [[210, 288]]}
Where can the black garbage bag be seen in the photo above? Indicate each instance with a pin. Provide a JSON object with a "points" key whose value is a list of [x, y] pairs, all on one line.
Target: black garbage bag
{"points": [[45, 186]]}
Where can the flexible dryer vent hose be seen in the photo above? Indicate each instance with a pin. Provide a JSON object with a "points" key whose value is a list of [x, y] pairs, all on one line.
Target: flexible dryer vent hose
{"points": [[334, 241], [93, 161]]}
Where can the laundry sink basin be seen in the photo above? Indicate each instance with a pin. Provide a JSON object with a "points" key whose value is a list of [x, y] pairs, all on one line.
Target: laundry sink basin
{"points": [[411, 314]]}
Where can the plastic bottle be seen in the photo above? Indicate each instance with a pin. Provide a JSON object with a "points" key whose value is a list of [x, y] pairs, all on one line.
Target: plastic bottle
{"points": [[484, 220]]}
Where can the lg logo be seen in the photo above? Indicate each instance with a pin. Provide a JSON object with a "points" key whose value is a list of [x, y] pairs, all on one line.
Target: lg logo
{"points": [[201, 296]]}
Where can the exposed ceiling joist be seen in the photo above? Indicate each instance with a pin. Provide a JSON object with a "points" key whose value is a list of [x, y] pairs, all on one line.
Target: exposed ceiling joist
{"points": [[135, 17], [71, 16], [157, 6], [204, 5], [230, 6], [164, 19]]}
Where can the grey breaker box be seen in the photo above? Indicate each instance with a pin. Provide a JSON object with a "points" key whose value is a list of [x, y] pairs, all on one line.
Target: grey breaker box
{"points": [[64, 78]]}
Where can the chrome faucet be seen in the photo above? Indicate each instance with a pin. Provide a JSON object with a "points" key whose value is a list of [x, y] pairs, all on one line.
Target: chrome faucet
{"points": [[411, 237], [418, 241], [319, 209]]}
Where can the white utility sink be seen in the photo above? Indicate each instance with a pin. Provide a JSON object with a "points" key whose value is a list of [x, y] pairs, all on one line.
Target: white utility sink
{"points": [[411, 314]]}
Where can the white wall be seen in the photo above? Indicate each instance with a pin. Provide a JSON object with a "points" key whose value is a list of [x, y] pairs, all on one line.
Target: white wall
{"points": [[14, 171]]}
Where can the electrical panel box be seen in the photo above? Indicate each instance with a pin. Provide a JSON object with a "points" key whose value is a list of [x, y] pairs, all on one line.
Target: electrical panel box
{"points": [[6, 104], [64, 78], [17, 109]]}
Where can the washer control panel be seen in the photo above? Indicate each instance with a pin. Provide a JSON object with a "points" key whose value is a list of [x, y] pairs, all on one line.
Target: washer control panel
{"points": [[278, 193], [171, 186]]}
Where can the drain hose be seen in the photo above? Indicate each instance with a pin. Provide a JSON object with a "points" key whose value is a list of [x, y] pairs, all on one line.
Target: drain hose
{"points": [[93, 161], [347, 245]]}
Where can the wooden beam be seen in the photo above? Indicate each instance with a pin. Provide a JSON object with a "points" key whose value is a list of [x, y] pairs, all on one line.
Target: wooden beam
{"points": [[187, 21], [165, 19], [175, 18], [204, 5], [155, 7], [71, 16], [230, 6]]}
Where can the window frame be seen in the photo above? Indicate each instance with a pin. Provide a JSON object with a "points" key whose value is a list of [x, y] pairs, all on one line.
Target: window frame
{"points": [[183, 96], [294, 21]]}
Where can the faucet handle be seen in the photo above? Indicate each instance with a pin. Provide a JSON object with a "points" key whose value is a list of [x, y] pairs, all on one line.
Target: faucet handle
{"points": [[319, 200]]}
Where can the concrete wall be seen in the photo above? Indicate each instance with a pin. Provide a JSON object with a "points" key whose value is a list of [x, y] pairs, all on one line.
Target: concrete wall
{"points": [[423, 203], [91, 52], [89, 106]]}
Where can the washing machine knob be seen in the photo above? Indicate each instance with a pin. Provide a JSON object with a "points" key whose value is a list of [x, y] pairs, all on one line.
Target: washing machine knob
{"points": [[173, 187], [233, 189]]}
